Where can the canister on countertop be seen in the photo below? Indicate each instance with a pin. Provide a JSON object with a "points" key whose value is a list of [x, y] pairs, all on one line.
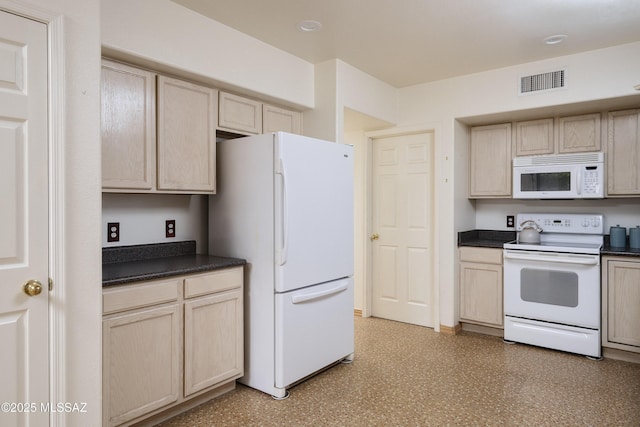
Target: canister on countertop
{"points": [[634, 237], [618, 236]]}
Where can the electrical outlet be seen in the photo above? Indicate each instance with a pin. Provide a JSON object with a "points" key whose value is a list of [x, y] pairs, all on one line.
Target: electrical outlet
{"points": [[113, 232], [170, 228], [510, 221]]}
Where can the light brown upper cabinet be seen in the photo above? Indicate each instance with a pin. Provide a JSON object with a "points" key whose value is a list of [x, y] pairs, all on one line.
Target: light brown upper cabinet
{"points": [[186, 136], [577, 134], [572, 134], [534, 137], [128, 127], [239, 114], [276, 119], [623, 153], [490, 161], [247, 116], [174, 155]]}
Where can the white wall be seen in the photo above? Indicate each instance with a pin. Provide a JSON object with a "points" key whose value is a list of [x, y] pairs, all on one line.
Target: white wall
{"points": [[338, 85], [491, 214], [358, 140], [592, 77], [160, 33], [322, 121], [365, 94], [142, 218]]}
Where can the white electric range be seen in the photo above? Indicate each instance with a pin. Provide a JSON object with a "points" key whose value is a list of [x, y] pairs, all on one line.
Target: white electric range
{"points": [[552, 288]]}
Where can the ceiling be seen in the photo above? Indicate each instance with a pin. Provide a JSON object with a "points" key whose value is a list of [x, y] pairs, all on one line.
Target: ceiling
{"points": [[407, 42]]}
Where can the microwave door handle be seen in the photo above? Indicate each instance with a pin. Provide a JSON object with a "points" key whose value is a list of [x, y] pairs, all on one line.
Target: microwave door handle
{"points": [[579, 183]]}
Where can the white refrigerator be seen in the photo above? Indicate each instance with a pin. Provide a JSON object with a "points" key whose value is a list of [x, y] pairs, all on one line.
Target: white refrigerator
{"points": [[285, 204]]}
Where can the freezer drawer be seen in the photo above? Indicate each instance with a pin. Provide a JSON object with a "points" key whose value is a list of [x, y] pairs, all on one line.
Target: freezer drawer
{"points": [[314, 328]]}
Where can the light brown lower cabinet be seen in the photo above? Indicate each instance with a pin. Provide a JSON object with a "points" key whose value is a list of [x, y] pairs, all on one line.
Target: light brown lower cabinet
{"points": [[167, 341], [213, 334], [481, 286], [621, 303]]}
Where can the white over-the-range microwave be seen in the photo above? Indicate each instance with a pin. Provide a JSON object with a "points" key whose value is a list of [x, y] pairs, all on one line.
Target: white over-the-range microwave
{"points": [[560, 176]]}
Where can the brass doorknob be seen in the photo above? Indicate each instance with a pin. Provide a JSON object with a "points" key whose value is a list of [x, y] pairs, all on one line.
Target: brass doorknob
{"points": [[32, 288], [375, 236]]}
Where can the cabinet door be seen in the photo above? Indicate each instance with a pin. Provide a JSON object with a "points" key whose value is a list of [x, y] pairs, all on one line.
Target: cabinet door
{"points": [[534, 137], [623, 153], [578, 134], [490, 161], [128, 127], [622, 302], [141, 363], [213, 340], [240, 114], [276, 119], [186, 136], [481, 293]]}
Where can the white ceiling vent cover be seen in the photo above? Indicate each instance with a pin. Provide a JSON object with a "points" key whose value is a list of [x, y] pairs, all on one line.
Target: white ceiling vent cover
{"points": [[543, 82]]}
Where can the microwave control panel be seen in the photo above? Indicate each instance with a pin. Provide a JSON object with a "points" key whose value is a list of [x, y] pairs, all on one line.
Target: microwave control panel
{"points": [[591, 180]]}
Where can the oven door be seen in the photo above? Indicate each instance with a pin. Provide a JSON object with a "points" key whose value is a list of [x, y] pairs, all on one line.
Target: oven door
{"points": [[554, 287]]}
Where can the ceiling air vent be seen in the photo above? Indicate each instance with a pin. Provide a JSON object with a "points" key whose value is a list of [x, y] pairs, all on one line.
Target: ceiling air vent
{"points": [[544, 81]]}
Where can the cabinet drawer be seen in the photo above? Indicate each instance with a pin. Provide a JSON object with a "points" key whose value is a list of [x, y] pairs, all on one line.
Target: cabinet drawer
{"points": [[216, 281], [482, 255], [141, 295]]}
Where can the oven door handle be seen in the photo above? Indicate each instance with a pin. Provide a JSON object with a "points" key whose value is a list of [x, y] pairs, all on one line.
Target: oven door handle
{"points": [[576, 259]]}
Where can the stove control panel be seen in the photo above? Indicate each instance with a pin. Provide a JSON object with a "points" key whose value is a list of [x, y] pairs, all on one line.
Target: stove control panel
{"points": [[564, 223]]}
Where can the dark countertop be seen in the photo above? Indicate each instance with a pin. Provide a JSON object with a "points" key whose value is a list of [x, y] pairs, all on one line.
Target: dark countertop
{"points": [[485, 238], [127, 264], [607, 249], [495, 239]]}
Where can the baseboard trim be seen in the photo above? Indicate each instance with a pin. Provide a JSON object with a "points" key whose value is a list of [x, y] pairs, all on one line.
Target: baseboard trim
{"points": [[357, 312], [481, 329], [162, 415], [450, 330], [626, 356]]}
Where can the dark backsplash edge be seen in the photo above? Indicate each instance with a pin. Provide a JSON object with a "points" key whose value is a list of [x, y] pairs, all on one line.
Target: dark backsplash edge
{"points": [[149, 251]]}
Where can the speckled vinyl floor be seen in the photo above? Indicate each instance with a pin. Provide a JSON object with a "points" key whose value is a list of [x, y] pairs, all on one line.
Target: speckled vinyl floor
{"points": [[405, 375]]}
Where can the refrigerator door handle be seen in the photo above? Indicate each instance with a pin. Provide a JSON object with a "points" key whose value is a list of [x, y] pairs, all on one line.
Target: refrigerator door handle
{"points": [[284, 217], [296, 299]]}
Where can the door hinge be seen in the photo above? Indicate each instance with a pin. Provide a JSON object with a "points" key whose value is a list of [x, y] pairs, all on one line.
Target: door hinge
{"points": [[50, 284]]}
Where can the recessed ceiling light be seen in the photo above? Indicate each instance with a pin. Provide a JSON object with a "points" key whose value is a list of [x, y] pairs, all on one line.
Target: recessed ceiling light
{"points": [[308, 26], [558, 38]]}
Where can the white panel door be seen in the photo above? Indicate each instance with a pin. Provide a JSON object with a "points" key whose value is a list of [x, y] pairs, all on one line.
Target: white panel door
{"points": [[314, 211], [24, 376], [402, 234]]}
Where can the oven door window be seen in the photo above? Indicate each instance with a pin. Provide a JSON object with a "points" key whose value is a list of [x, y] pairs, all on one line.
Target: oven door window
{"points": [[545, 181], [549, 287]]}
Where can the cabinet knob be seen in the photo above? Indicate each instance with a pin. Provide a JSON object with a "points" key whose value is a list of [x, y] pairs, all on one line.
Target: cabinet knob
{"points": [[374, 236]]}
